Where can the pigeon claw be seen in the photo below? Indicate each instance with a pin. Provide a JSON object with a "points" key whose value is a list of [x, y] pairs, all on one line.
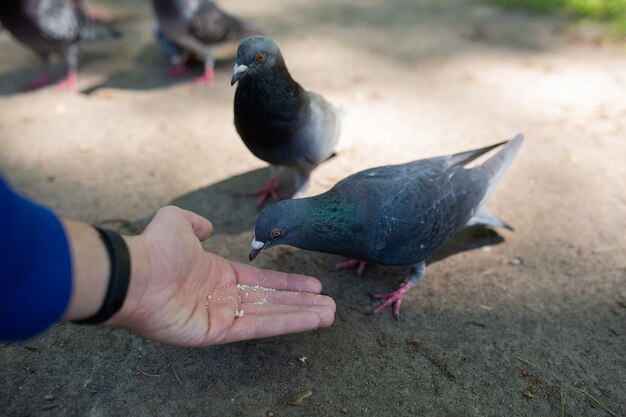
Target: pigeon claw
{"points": [[207, 77], [352, 263], [268, 191], [393, 299], [177, 70], [42, 80], [69, 83]]}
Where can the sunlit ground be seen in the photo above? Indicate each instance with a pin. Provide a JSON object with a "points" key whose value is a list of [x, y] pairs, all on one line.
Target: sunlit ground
{"points": [[415, 79]]}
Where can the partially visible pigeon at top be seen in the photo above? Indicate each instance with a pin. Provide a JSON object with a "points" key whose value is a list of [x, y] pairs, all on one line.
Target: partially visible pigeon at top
{"points": [[172, 52], [80, 4], [49, 27], [197, 27], [392, 215], [279, 121]]}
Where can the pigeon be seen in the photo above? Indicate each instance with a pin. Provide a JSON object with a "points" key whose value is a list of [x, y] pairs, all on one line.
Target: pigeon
{"points": [[198, 27], [80, 5], [279, 121], [393, 215], [50, 27], [172, 52]]}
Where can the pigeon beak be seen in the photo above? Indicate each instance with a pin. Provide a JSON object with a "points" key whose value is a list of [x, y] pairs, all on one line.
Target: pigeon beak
{"points": [[238, 72], [257, 247]]}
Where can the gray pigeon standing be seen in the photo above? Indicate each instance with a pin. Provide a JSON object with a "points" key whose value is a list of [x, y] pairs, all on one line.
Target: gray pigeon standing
{"points": [[393, 215], [277, 119], [49, 27], [198, 27]]}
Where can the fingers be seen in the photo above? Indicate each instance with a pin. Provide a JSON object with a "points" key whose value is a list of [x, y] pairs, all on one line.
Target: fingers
{"points": [[249, 275], [256, 327], [256, 295], [325, 313]]}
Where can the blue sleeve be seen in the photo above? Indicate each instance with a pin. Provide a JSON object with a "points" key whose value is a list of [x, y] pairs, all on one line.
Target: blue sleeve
{"points": [[35, 267]]}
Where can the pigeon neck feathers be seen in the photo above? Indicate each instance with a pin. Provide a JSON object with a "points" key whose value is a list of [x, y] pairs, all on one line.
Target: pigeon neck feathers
{"points": [[331, 222], [270, 107]]}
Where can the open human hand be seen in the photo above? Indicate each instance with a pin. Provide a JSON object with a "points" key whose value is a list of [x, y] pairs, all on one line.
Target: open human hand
{"points": [[180, 294]]}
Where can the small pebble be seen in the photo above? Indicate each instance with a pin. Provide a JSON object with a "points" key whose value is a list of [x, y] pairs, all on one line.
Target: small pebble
{"points": [[517, 261], [48, 397], [299, 397], [270, 413]]}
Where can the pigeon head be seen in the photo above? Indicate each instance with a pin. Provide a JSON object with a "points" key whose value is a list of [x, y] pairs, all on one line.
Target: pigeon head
{"points": [[256, 54], [322, 223], [279, 224]]}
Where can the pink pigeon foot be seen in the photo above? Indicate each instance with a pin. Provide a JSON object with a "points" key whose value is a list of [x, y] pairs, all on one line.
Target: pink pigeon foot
{"points": [[42, 80], [268, 191], [393, 299], [207, 77], [177, 70], [69, 83], [94, 14], [351, 263]]}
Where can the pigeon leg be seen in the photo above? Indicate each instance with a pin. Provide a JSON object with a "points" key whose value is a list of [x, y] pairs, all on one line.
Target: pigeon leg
{"points": [[207, 76], [180, 65], [270, 188], [351, 263], [209, 72], [69, 83], [302, 181], [268, 191], [394, 299], [44, 76], [71, 58]]}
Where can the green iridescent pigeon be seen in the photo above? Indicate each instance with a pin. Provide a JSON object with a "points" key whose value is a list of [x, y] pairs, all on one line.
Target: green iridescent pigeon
{"points": [[392, 215]]}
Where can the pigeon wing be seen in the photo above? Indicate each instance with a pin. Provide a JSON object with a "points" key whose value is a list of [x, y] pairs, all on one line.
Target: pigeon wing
{"points": [[59, 23], [429, 206], [322, 130], [211, 25]]}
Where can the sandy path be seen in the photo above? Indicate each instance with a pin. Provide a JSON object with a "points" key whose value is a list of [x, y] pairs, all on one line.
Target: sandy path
{"points": [[417, 78]]}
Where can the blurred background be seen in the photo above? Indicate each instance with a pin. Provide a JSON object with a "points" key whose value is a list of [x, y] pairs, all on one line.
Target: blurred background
{"points": [[526, 323]]}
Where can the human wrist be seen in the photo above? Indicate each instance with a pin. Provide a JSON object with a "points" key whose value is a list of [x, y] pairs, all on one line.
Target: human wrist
{"points": [[140, 271], [90, 270], [119, 276]]}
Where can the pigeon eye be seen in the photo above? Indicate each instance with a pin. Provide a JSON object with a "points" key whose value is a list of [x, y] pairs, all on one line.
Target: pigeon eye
{"points": [[260, 57], [276, 232]]}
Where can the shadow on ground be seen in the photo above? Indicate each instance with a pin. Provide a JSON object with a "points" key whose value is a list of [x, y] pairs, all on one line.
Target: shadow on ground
{"points": [[16, 82], [149, 72]]}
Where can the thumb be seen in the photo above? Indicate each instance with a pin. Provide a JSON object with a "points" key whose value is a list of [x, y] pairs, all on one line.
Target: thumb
{"points": [[201, 227]]}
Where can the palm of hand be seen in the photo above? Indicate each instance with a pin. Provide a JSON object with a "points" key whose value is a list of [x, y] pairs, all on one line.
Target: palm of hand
{"points": [[190, 297]]}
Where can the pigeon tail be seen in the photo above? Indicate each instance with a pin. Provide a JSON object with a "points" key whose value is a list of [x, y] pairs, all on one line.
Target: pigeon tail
{"points": [[95, 30], [484, 217], [464, 158], [496, 166]]}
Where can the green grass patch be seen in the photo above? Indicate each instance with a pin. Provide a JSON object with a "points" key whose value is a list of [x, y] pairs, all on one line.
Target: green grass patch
{"points": [[612, 12]]}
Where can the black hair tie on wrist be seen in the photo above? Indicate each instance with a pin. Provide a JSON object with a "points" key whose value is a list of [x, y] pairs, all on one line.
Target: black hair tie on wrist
{"points": [[119, 279]]}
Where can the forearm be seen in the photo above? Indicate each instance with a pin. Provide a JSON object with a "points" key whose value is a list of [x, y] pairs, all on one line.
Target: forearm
{"points": [[92, 272]]}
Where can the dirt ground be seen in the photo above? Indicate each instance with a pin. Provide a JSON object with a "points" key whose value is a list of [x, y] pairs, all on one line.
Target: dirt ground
{"points": [[531, 323]]}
